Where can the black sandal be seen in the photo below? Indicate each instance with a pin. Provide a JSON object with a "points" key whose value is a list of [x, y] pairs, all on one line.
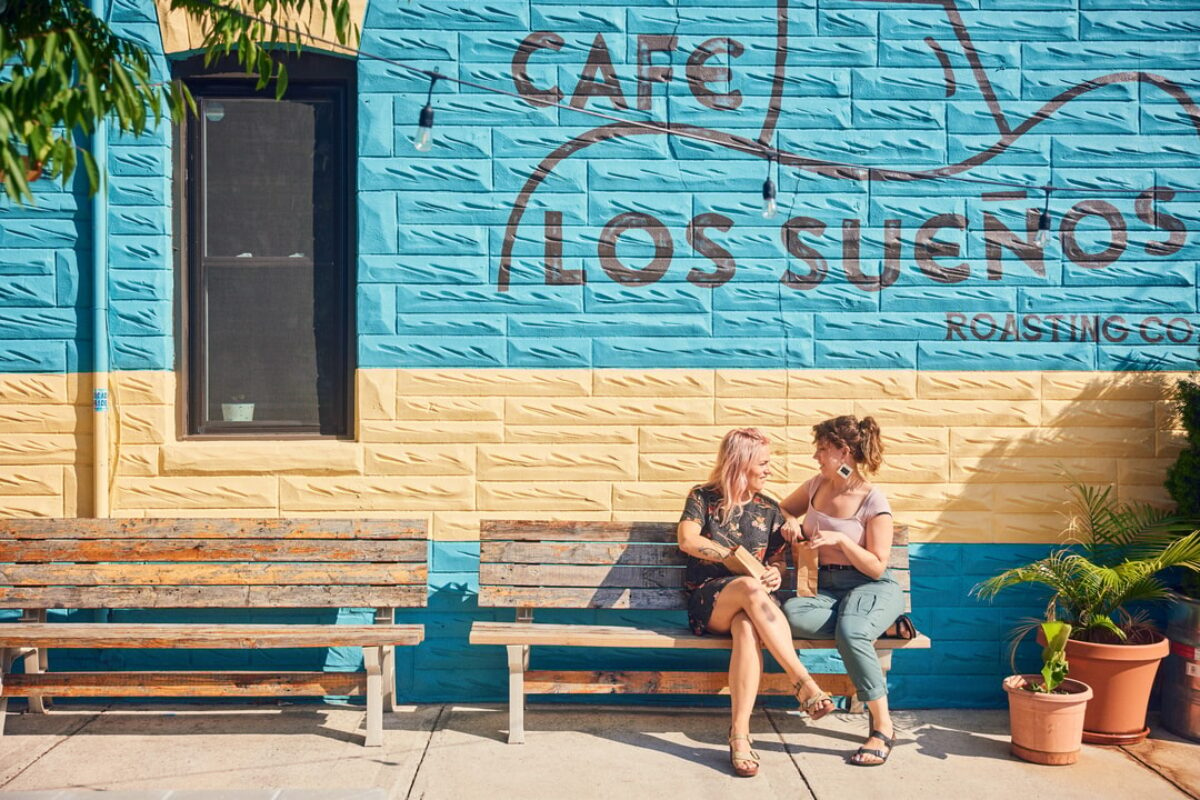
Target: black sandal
{"points": [[888, 741]]}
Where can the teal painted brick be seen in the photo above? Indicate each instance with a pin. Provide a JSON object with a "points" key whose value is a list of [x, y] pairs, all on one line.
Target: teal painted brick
{"points": [[1146, 299], [671, 352], [878, 326], [915, 53], [465, 270], [630, 324], [46, 324], [28, 291], [987, 356], [376, 308], [376, 128], [898, 115], [438, 325], [814, 112], [143, 162], [1048, 84], [450, 240], [538, 142], [1162, 118], [1109, 179], [27, 262], [510, 175], [140, 318], [903, 148], [38, 232], [142, 352], [427, 45], [542, 73], [1125, 151], [1156, 25], [138, 191], [865, 354], [826, 297], [138, 221], [1077, 117], [1030, 150], [488, 47], [1146, 357], [602, 298], [448, 142], [377, 229], [139, 252], [453, 556], [983, 25], [422, 351], [580, 18], [950, 298], [913, 212], [418, 207], [718, 21], [449, 299], [1099, 57], [1164, 272], [928, 84], [532, 270], [401, 174], [797, 327], [674, 210], [847, 23], [546, 353], [1028, 176], [530, 243], [758, 80], [450, 15], [473, 109]]}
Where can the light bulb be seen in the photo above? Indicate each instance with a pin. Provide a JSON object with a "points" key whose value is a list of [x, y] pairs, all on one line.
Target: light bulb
{"points": [[1043, 234], [424, 140], [769, 207]]}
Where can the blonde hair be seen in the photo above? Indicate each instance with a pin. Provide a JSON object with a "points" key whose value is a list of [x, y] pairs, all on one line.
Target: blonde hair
{"points": [[736, 455], [861, 437]]}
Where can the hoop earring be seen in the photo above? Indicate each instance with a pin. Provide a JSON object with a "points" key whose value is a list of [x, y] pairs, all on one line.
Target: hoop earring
{"points": [[844, 470]]}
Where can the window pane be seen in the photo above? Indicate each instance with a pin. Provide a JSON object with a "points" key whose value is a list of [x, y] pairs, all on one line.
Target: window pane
{"points": [[273, 341], [269, 171]]}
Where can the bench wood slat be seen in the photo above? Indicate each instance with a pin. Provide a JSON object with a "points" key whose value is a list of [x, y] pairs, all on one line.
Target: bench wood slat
{"points": [[214, 596], [136, 528], [567, 635], [205, 574], [582, 682], [189, 635], [184, 550], [597, 531], [185, 684], [606, 553]]}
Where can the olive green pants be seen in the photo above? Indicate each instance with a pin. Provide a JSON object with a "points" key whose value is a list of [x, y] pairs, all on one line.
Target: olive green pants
{"points": [[853, 610]]}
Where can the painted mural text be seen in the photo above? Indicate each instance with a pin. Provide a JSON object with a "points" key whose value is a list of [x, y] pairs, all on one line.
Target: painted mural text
{"points": [[936, 258], [1112, 328]]}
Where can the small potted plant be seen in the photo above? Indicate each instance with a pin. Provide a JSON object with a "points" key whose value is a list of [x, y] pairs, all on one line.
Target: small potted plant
{"points": [[237, 409], [1115, 557], [1045, 712]]}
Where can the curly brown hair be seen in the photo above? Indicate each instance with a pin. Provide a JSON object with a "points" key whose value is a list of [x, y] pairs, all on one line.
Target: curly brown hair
{"points": [[861, 437]]}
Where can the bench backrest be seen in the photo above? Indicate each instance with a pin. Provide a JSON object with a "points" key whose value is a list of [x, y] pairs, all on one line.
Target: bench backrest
{"points": [[212, 563], [539, 564]]}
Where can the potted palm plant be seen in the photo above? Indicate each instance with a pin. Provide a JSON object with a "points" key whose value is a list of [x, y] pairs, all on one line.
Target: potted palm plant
{"points": [[1113, 558], [1045, 712]]}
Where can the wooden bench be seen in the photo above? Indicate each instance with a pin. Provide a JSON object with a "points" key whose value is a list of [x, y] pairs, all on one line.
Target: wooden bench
{"points": [[615, 565], [208, 564]]}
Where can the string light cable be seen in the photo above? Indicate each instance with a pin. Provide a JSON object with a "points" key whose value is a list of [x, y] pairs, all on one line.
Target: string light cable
{"points": [[728, 141]]}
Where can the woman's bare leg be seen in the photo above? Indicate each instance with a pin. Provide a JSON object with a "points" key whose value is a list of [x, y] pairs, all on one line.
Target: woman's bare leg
{"points": [[746, 595], [745, 670]]}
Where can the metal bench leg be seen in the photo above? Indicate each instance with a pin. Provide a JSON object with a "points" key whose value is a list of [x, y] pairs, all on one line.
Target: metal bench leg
{"points": [[518, 662], [371, 659]]}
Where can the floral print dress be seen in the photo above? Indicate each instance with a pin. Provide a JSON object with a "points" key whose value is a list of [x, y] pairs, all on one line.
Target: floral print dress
{"points": [[758, 528]]}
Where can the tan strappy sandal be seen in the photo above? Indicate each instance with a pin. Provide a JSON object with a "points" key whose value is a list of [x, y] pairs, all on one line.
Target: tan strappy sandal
{"points": [[743, 756], [817, 706]]}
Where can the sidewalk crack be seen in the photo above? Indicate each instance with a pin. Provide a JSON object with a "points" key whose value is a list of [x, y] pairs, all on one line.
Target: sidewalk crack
{"points": [[433, 729], [65, 738], [791, 754]]}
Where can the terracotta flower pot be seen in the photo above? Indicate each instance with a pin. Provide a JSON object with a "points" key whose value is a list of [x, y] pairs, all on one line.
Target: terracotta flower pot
{"points": [[1046, 728], [1121, 676]]}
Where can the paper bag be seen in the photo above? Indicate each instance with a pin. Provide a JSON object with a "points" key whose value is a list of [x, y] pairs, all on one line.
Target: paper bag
{"points": [[806, 570], [740, 562]]}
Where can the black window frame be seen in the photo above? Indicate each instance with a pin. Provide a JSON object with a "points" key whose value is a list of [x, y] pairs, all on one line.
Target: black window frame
{"points": [[311, 75]]}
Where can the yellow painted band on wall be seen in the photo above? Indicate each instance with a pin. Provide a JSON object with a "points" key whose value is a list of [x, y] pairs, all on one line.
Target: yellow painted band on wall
{"points": [[969, 456]]}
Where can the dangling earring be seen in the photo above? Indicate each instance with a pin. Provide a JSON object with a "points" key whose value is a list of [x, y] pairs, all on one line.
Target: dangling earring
{"points": [[844, 470]]}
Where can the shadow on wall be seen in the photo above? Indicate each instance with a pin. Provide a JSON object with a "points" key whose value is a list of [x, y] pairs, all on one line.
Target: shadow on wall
{"points": [[1115, 429]]}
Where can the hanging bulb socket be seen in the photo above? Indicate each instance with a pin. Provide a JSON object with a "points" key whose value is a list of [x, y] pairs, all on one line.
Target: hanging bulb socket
{"points": [[424, 140], [769, 206], [1043, 232]]}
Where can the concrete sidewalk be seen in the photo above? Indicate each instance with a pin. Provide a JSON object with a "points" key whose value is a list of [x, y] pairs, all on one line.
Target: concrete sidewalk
{"points": [[448, 752]]}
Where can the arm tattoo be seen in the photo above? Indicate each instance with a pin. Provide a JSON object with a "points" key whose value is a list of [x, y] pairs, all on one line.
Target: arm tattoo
{"points": [[712, 554]]}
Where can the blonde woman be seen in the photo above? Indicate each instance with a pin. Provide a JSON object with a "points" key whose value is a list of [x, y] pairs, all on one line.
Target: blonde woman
{"points": [[849, 522], [728, 511]]}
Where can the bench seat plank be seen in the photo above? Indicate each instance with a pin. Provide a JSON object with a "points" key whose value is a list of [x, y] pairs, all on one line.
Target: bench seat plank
{"points": [[184, 550], [620, 682], [185, 684], [565, 635], [198, 528], [194, 635], [213, 596], [169, 574]]}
